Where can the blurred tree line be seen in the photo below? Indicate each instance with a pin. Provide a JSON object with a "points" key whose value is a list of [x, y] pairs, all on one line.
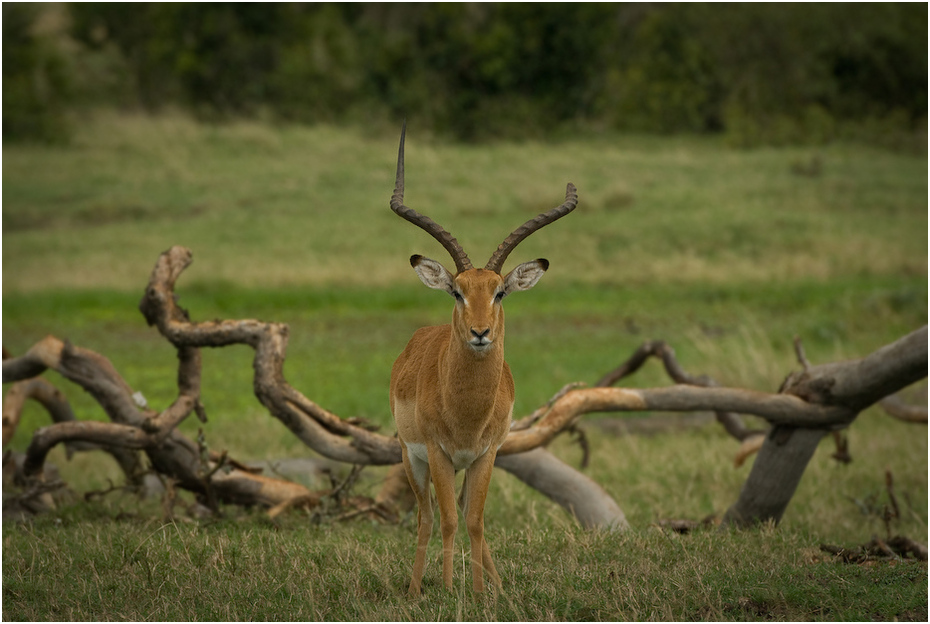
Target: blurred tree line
{"points": [[761, 73]]}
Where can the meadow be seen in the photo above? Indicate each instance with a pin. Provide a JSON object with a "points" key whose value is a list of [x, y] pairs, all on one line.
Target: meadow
{"points": [[726, 254]]}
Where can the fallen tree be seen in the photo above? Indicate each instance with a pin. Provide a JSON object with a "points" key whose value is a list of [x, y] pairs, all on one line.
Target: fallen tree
{"points": [[818, 400]]}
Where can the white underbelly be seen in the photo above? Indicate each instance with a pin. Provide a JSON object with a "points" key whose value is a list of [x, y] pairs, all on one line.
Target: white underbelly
{"points": [[419, 462], [418, 451], [463, 459]]}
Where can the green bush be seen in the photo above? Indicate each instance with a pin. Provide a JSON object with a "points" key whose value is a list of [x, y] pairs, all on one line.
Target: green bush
{"points": [[35, 80], [761, 73], [669, 82]]}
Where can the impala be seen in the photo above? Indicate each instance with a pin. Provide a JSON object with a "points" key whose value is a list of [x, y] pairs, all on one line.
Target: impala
{"points": [[451, 390]]}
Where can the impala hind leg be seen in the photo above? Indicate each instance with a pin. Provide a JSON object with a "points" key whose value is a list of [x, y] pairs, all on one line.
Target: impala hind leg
{"points": [[474, 494], [418, 474]]}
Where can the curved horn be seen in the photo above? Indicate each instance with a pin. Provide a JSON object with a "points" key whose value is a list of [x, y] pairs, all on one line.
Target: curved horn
{"points": [[462, 263], [496, 262]]}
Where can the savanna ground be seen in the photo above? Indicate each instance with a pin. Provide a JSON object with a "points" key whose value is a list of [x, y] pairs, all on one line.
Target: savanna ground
{"points": [[725, 254]]}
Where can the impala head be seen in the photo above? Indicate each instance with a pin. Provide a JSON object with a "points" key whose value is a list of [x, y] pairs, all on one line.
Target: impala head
{"points": [[478, 318]]}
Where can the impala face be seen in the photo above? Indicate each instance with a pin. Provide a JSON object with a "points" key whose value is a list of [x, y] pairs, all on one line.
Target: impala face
{"points": [[478, 317]]}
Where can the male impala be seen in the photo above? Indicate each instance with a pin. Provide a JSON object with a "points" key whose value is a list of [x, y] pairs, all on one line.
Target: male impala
{"points": [[451, 390]]}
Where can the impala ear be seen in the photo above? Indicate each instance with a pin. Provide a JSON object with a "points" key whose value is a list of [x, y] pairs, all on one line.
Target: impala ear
{"points": [[432, 273], [525, 276]]}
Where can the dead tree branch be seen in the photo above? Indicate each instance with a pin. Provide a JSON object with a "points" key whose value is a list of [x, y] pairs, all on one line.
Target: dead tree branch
{"points": [[169, 452], [581, 495], [810, 403], [895, 407], [845, 388], [56, 404], [731, 421]]}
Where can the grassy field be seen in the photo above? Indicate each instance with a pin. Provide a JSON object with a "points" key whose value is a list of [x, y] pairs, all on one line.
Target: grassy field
{"points": [[725, 254]]}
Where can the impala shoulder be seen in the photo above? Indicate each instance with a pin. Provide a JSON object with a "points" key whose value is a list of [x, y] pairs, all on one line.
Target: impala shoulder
{"points": [[429, 335], [419, 357]]}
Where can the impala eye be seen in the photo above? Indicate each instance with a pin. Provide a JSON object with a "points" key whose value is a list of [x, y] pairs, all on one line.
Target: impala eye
{"points": [[499, 295], [457, 295]]}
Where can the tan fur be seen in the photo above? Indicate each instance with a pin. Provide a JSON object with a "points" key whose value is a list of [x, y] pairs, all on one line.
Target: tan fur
{"points": [[455, 401], [451, 391]]}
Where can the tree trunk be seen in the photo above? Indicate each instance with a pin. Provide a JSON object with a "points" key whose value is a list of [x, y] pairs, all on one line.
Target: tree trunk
{"points": [[774, 477], [579, 494]]}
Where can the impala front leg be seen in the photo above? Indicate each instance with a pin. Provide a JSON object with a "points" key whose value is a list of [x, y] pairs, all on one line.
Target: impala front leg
{"points": [[475, 492], [443, 475], [418, 475]]}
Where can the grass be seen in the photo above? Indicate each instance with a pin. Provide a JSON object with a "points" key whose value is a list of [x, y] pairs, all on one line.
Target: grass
{"points": [[725, 254], [96, 565], [264, 206]]}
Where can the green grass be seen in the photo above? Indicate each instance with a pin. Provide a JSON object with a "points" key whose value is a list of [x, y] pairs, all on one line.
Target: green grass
{"points": [[95, 565], [725, 254], [263, 206]]}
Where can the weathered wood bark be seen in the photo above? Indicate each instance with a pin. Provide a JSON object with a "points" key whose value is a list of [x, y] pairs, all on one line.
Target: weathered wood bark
{"points": [[37, 389], [318, 428], [896, 407], [857, 384], [730, 421], [852, 386], [579, 494], [56, 404], [822, 398], [775, 476], [131, 427]]}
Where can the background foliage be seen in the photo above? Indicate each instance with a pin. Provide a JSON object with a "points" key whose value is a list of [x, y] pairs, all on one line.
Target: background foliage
{"points": [[761, 73]]}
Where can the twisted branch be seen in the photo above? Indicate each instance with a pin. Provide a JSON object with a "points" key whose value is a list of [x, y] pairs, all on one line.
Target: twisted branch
{"points": [[817, 399], [131, 427]]}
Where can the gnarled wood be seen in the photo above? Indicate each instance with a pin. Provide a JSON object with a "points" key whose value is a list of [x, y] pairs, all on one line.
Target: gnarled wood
{"points": [[579, 494], [896, 407], [56, 404], [132, 427], [853, 385], [820, 398]]}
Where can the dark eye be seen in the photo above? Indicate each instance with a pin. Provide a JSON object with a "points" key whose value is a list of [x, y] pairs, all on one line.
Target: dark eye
{"points": [[457, 295], [499, 296]]}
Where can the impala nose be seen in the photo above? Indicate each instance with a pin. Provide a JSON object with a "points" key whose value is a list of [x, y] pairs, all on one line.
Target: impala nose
{"points": [[480, 336]]}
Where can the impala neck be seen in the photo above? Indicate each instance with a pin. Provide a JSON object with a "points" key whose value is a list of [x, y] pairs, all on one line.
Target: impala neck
{"points": [[471, 374]]}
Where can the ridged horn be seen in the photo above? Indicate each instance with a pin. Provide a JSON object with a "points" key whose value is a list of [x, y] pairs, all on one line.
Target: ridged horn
{"points": [[496, 263], [462, 263]]}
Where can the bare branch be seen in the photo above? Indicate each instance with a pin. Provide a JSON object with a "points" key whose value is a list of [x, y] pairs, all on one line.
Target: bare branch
{"points": [[170, 452], [895, 407], [801, 355], [46, 438], [40, 390], [857, 384], [336, 438], [582, 496], [315, 426], [528, 421], [782, 409], [749, 447], [731, 421], [843, 389]]}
